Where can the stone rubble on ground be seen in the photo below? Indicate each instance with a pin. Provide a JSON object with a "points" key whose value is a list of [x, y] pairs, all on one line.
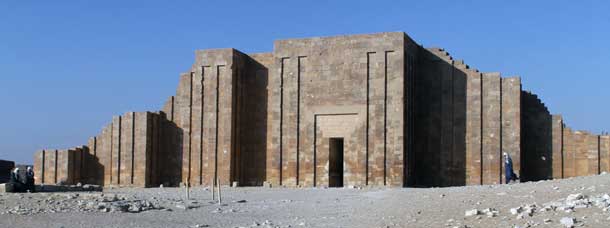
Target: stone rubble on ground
{"points": [[472, 212], [568, 205], [88, 202], [567, 222]]}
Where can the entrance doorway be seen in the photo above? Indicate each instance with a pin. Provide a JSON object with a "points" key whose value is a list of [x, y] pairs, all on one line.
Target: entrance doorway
{"points": [[335, 160]]}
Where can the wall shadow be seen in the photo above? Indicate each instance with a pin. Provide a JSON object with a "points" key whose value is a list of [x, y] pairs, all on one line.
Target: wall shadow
{"points": [[251, 145], [439, 146], [536, 139], [168, 171], [92, 170]]}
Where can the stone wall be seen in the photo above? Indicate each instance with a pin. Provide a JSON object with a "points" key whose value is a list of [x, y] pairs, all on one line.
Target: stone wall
{"points": [[537, 141], [578, 153], [407, 116], [464, 119], [58, 166], [318, 84], [124, 157]]}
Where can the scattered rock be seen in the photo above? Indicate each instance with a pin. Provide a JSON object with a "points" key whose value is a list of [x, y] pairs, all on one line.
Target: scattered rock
{"points": [[547, 221], [516, 210], [490, 212], [472, 212], [573, 197], [567, 222]]}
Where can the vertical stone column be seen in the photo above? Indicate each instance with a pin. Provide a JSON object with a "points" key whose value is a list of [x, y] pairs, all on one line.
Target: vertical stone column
{"points": [[126, 143], [50, 167], [427, 146], [197, 127], [274, 112], [557, 142], [473, 129], [459, 164], [93, 170], [105, 154], [77, 168], [155, 159], [581, 151], [376, 107], [511, 122], [65, 166], [307, 72], [491, 125], [142, 152], [225, 119], [39, 169], [183, 120], [604, 153], [592, 154], [116, 151], [210, 101], [446, 122], [569, 153], [289, 120], [395, 101]]}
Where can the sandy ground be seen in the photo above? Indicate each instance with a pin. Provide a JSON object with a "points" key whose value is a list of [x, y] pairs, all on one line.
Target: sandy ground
{"points": [[315, 207]]}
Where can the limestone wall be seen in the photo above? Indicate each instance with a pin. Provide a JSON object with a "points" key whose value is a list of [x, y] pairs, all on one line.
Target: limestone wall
{"points": [[578, 153], [59, 166], [464, 119], [317, 83], [116, 157], [408, 116], [537, 139]]}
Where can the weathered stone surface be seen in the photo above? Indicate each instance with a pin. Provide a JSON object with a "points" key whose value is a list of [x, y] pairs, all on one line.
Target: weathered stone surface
{"points": [[65, 166], [558, 156], [143, 158], [511, 122], [473, 129], [127, 147], [404, 115], [39, 162], [491, 125], [105, 153], [115, 151], [569, 153], [50, 167]]}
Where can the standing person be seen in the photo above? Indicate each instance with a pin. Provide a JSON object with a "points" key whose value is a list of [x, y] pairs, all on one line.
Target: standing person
{"points": [[509, 173], [29, 179], [17, 185]]}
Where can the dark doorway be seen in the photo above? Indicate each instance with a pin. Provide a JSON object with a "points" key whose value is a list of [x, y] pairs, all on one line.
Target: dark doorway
{"points": [[335, 159]]}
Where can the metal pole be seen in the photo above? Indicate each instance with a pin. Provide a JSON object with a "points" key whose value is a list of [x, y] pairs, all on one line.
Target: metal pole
{"points": [[188, 191], [213, 189], [219, 194]]}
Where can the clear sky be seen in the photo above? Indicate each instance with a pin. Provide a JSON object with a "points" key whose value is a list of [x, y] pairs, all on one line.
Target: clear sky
{"points": [[67, 66]]}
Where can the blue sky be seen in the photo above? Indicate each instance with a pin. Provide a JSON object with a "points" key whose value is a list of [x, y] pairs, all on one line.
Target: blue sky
{"points": [[67, 66]]}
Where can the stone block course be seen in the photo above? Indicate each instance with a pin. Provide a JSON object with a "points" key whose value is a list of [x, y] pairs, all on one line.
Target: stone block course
{"points": [[407, 115], [491, 125]]}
